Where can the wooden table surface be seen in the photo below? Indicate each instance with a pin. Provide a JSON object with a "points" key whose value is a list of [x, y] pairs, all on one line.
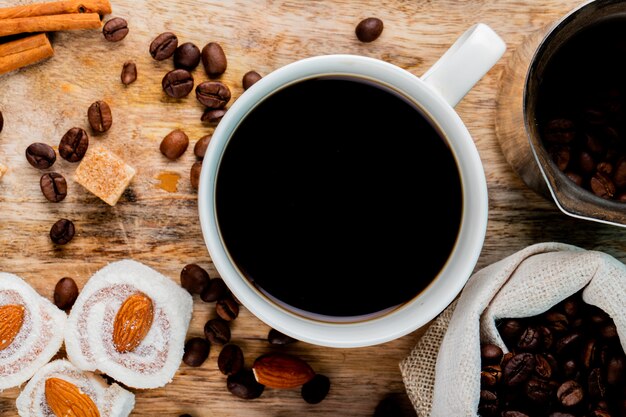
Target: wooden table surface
{"points": [[161, 229]]}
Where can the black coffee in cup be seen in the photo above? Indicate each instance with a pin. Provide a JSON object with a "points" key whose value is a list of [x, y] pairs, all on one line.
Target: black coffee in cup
{"points": [[339, 197]]}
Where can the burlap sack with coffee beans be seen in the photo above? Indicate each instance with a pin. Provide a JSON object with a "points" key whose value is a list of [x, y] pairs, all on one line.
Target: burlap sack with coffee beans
{"points": [[442, 373]]}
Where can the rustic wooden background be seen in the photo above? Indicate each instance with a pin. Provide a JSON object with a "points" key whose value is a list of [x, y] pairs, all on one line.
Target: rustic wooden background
{"points": [[160, 228]]}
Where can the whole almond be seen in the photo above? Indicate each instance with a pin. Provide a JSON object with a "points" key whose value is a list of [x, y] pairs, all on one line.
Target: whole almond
{"points": [[280, 370], [132, 322], [67, 400], [11, 321]]}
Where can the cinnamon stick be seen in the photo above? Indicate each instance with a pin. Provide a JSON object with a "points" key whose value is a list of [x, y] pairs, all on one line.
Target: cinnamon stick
{"points": [[25, 51], [49, 23], [101, 7]]}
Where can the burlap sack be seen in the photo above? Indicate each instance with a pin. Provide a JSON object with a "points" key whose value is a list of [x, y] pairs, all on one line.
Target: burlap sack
{"points": [[442, 373]]}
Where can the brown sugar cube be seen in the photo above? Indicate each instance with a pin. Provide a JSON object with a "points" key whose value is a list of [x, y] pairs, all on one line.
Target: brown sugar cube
{"points": [[104, 174], [3, 170]]}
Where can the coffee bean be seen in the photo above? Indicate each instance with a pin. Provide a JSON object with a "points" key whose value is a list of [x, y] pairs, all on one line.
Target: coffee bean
{"points": [[608, 331], [597, 316], [213, 94], [187, 56], [616, 370], [605, 167], [227, 309], [547, 338], [557, 321], [568, 343], [599, 413], [214, 59], [163, 46], [230, 361], [276, 338], [115, 29], [595, 144], [177, 83], [490, 376], [314, 391], [201, 145], [490, 354], [369, 29], [518, 369], [196, 351], [1, 121], [572, 305], [129, 73], [194, 279], [510, 331], [65, 293], [575, 178], [590, 354], [244, 385], [216, 290], [558, 414], [543, 367], [559, 131], [569, 369], [100, 117], [174, 144], [74, 144], [513, 414], [194, 174], [249, 79], [586, 162], [62, 232], [570, 394], [53, 186], [602, 186], [488, 405], [560, 155], [530, 340], [538, 391], [217, 331], [40, 155], [596, 385], [213, 116]]}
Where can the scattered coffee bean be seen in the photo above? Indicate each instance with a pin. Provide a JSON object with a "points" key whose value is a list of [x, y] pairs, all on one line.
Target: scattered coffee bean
{"points": [[194, 278], [570, 394], [530, 340], [53, 186], [227, 309], [244, 385], [217, 331], [216, 290], [163, 46], [542, 367], [115, 29], [196, 351], [129, 73], [40, 155], [213, 94], [249, 79], [538, 391], [314, 391], [1, 121], [177, 83], [174, 144], [65, 293], [490, 376], [187, 56], [213, 116], [100, 117], [230, 361], [214, 59], [369, 29], [201, 145], [274, 337], [62, 232], [518, 369], [74, 144], [194, 174]]}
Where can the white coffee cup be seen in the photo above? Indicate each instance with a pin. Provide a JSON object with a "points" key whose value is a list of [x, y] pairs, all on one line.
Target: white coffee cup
{"points": [[435, 94]]}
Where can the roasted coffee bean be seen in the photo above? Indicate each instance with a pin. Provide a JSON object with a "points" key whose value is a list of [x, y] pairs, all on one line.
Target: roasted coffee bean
{"points": [[194, 278], [129, 73], [608, 331], [530, 340], [214, 59], [216, 290], [187, 56], [568, 343], [99, 116], [1, 121], [163, 46], [616, 370], [174, 145], [620, 174], [177, 83], [602, 186], [217, 331], [490, 376], [596, 385], [600, 413], [591, 353], [314, 391], [576, 179], [519, 369], [490, 354], [62, 232], [557, 321], [488, 405], [230, 361], [543, 367], [605, 167], [213, 94], [196, 351], [597, 316], [586, 162], [538, 391], [595, 144], [213, 116], [40, 155], [194, 174], [572, 306], [65, 293], [227, 309], [506, 358], [570, 393], [53, 186], [569, 369], [201, 145], [244, 385], [559, 414], [276, 338], [513, 414], [559, 131], [560, 155], [510, 331], [369, 29], [115, 29], [74, 144], [547, 338], [249, 79]]}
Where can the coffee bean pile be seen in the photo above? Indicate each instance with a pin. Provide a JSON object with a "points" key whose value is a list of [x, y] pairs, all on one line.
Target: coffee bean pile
{"points": [[567, 362]]}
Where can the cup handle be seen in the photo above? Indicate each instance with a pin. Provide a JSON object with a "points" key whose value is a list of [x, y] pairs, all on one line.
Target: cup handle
{"points": [[465, 63]]}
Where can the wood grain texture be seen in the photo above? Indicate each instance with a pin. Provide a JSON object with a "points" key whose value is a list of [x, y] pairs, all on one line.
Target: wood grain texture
{"points": [[161, 229]]}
